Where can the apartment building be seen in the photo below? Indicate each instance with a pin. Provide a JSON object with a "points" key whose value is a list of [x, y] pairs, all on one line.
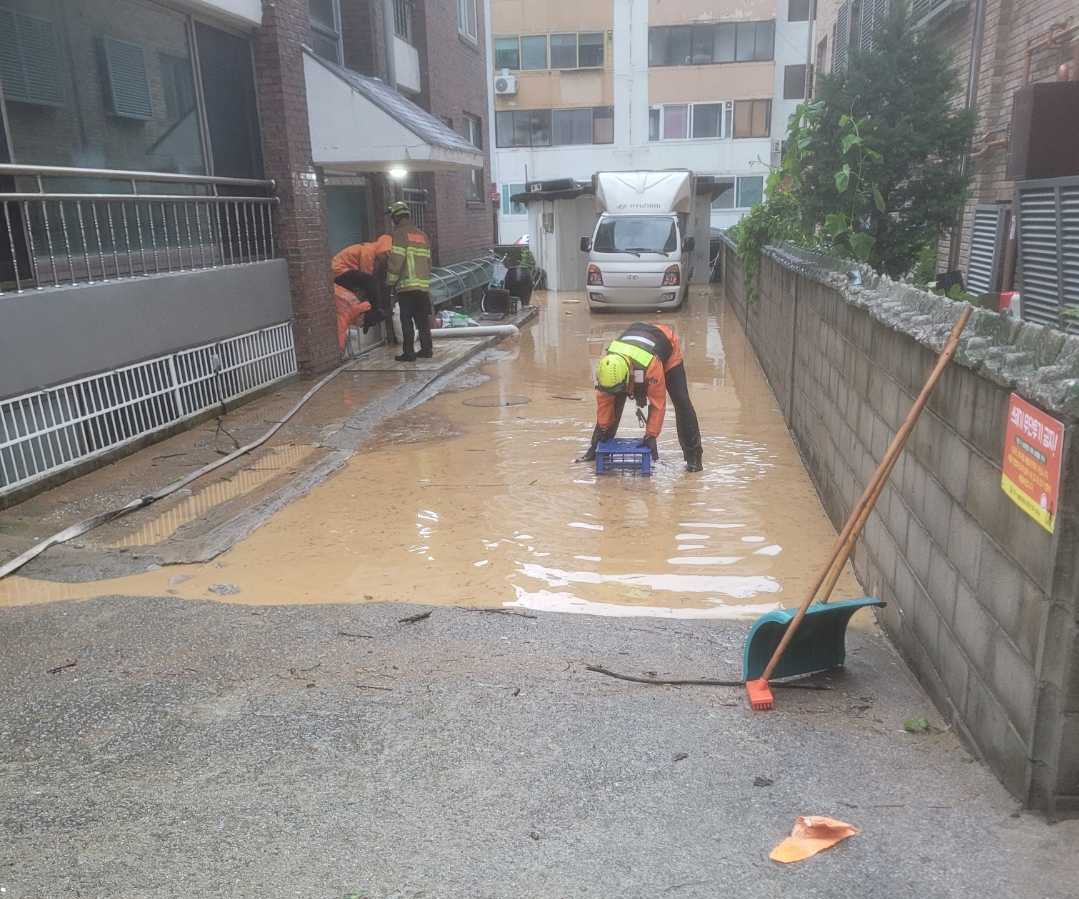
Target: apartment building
{"points": [[174, 178], [1019, 69], [622, 84]]}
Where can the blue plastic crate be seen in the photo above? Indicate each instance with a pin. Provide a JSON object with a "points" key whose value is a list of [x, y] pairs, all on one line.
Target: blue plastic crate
{"points": [[623, 454]]}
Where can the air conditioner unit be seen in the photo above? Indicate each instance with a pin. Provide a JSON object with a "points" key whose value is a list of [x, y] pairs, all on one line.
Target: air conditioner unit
{"points": [[505, 85]]}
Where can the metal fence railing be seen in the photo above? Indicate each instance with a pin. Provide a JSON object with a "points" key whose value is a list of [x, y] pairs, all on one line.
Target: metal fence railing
{"points": [[66, 226], [48, 430]]}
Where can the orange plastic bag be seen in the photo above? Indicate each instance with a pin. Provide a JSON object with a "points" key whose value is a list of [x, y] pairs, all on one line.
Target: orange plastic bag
{"points": [[350, 311], [811, 834]]}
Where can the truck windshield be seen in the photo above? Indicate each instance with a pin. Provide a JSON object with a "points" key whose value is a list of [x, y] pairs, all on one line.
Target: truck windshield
{"points": [[636, 234]]}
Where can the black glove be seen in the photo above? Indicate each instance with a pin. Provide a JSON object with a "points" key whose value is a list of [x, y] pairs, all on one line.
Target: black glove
{"points": [[650, 442]]}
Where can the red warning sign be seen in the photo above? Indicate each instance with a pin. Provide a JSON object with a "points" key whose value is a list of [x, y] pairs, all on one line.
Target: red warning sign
{"points": [[1033, 446]]}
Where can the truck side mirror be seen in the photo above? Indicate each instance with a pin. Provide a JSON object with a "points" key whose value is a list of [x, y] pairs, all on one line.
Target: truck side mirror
{"points": [[689, 244], [586, 244]]}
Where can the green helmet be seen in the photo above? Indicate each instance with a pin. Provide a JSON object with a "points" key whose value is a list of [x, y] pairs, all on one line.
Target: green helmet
{"points": [[612, 373], [398, 210]]}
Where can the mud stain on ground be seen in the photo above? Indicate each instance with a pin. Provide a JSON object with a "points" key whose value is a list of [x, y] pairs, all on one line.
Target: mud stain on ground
{"points": [[474, 499]]}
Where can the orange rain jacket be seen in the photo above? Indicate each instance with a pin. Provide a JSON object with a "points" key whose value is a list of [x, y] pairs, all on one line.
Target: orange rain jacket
{"points": [[362, 257], [655, 385]]}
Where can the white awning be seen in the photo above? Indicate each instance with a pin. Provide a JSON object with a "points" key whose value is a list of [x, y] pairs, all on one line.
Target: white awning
{"points": [[361, 124]]}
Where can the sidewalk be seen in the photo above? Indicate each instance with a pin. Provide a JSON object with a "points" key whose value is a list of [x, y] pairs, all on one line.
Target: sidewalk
{"points": [[226, 505]]}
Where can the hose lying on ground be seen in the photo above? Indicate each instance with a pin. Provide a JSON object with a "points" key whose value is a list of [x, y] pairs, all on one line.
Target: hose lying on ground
{"points": [[659, 682], [88, 524]]}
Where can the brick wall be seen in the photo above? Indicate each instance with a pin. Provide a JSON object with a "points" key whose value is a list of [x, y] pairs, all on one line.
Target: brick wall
{"points": [[982, 602], [286, 146], [1009, 26], [454, 82]]}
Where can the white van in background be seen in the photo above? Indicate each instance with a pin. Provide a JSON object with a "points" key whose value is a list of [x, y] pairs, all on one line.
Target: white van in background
{"points": [[640, 253]]}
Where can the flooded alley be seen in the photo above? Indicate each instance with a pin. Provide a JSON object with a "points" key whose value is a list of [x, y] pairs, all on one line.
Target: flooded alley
{"points": [[474, 497]]}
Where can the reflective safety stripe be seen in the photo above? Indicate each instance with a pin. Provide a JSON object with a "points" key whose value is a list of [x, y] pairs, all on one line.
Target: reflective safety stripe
{"points": [[636, 338], [638, 354]]}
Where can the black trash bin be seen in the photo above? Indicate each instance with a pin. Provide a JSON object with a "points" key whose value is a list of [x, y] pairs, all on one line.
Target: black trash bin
{"points": [[519, 284]]}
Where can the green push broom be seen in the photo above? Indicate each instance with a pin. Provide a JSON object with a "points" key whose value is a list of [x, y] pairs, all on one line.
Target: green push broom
{"points": [[831, 621]]}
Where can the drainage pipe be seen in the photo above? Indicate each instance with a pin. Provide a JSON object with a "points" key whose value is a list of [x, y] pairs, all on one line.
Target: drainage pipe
{"points": [[477, 331]]}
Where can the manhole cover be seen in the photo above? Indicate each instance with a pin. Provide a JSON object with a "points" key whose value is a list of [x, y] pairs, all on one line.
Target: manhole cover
{"points": [[487, 401]]}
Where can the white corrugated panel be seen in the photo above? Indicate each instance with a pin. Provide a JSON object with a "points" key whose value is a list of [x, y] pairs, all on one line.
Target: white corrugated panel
{"points": [[1039, 255], [1069, 254], [983, 270]]}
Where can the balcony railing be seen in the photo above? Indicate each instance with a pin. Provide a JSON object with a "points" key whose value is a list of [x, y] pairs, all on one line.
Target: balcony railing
{"points": [[66, 226]]}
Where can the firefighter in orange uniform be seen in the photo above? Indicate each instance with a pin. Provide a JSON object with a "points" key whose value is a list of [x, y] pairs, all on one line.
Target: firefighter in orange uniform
{"points": [[646, 363], [357, 285]]}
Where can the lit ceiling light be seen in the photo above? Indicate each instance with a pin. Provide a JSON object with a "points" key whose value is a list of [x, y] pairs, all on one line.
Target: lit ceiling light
{"points": [[398, 173]]}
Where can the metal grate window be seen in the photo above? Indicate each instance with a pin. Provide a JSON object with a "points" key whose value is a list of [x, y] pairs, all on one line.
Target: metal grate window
{"points": [[50, 430], [922, 12], [30, 63], [417, 204], [986, 248], [874, 14], [841, 38], [129, 86], [1049, 251]]}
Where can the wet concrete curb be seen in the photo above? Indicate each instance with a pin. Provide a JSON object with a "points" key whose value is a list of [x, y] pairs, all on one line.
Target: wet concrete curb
{"points": [[80, 562]]}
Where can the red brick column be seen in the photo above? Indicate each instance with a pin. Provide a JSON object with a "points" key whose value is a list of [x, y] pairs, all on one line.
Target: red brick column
{"points": [[286, 147]]}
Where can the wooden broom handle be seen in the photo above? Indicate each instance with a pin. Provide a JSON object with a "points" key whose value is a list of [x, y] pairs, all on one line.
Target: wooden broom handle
{"points": [[860, 513]]}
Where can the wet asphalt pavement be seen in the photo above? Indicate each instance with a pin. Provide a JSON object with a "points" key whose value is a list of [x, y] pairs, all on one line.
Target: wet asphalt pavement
{"points": [[207, 749]]}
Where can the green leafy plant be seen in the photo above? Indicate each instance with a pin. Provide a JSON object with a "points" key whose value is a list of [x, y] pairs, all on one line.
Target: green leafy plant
{"points": [[871, 169]]}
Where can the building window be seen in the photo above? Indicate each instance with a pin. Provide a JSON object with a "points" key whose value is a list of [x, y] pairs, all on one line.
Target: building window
{"points": [[534, 51], [725, 198], [507, 53], [509, 205], [466, 19], [402, 19], [325, 16], [121, 77], [591, 50], [476, 184], [798, 10], [794, 82], [700, 121], [563, 51], [683, 45], [750, 191], [559, 127], [739, 193], [474, 130], [752, 118], [569, 50], [603, 125]]}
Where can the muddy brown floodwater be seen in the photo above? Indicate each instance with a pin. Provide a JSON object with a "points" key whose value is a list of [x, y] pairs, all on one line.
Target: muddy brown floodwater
{"points": [[474, 499]]}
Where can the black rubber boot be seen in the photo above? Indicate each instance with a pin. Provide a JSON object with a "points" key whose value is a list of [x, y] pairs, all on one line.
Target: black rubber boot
{"points": [[405, 357], [693, 460]]}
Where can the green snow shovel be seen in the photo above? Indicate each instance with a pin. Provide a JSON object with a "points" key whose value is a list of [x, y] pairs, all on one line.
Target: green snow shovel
{"points": [[812, 638]]}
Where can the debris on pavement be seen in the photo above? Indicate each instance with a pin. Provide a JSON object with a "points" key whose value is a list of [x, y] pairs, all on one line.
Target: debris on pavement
{"points": [[60, 668], [680, 756], [811, 834], [412, 619], [762, 781], [224, 589], [916, 726]]}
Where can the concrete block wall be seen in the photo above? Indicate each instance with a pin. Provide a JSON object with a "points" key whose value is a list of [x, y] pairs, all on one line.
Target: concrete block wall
{"points": [[981, 601]]}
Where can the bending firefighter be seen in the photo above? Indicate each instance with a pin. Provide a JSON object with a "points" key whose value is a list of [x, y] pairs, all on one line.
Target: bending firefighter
{"points": [[356, 286], [409, 274], [646, 363]]}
